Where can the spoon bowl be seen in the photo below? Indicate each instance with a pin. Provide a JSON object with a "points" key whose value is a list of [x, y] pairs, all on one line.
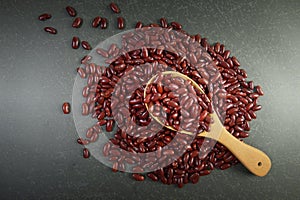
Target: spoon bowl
{"points": [[252, 158]]}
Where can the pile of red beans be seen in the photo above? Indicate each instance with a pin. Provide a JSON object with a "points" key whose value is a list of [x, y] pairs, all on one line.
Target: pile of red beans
{"points": [[227, 92]]}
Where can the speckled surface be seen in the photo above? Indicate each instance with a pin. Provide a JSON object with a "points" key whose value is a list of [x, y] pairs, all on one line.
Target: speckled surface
{"points": [[39, 156]]}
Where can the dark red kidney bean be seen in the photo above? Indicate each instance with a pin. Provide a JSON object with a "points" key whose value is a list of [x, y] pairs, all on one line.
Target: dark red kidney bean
{"points": [[194, 178], [259, 90], [80, 141], [243, 134], [138, 177], [75, 43], [163, 22], [225, 166], [109, 125], [103, 23], [137, 169], [106, 149], [204, 172], [226, 54], [115, 167], [81, 72], [45, 16], [86, 45], [85, 59], [66, 108], [85, 109], [256, 108], [176, 25], [217, 47], [77, 22], [102, 52], [50, 30], [96, 22], [86, 153], [152, 176], [114, 7], [71, 11], [235, 61], [139, 25], [252, 114], [121, 23]]}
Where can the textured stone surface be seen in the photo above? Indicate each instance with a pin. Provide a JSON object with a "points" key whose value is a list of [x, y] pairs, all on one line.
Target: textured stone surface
{"points": [[39, 156]]}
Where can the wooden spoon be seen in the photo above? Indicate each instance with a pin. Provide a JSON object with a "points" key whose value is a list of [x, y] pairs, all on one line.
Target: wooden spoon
{"points": [[253, 159]]}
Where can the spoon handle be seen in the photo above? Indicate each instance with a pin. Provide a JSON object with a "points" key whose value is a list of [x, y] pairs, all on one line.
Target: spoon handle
{"points": [[253, 159]]}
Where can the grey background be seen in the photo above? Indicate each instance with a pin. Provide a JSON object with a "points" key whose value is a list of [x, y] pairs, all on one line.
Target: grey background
{"points": [[39, 156]]}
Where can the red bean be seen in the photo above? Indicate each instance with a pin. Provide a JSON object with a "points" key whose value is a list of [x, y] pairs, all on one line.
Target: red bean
{"points": [[102, 52], [45, 16], [235, 61], [86, 45], [66, 108], [152, 176], [114, 8], [139, 25], [259, 90], [109, 125], [176, 25], [204, 172], [163, 22], [103, 23], [75, 43], [71, 11], [50, 30], [85, 59], [225, 166], [85, 109], [77, 22], [121, 23], [81, 72], [194, 178], [86, 153], [96, 22], [138, 177]]}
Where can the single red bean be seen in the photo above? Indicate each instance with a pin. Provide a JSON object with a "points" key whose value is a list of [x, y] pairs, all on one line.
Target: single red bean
{"points": [[109, 125], [115, 167], [102, 52], [152, 176], [85, 59], [75, 43], [138, 177], [176, 25], [235, 61], [50, 30], [163, 22], [139, 25], [225, 166], [71, 11], [86, 153], [259, 90], [45, 16], [96, 22], [103, 23], [86, 45], [77, 22], [66, 108], [204, 172], [85, 109], [81, 72], [114, 8], [194, 178], [121, 23]]}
